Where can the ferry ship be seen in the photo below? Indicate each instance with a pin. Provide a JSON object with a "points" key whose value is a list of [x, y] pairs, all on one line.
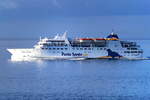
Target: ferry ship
{"points": [[60, 47]]}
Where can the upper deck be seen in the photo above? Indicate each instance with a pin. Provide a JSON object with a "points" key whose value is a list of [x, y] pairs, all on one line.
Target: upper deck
{"points": [[63, 41]]}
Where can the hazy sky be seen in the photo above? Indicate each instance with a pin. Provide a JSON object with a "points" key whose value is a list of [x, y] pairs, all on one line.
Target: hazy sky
{"points": [[32, 18]]}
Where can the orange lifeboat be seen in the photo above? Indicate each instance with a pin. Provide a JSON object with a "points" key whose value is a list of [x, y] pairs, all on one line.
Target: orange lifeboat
{"points": [[99, 39], [85, 39], [91, 39]]}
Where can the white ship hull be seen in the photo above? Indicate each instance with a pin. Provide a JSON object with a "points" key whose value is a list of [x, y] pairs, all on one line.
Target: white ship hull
{"points": [[46, 54], [69, 54]]}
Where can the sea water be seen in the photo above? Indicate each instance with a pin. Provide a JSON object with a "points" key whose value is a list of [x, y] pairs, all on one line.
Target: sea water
{"points": [[73, 79]]}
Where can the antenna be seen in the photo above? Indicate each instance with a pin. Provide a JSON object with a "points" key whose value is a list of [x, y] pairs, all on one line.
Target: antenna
{"points": [[112, 31], [66, 31]]}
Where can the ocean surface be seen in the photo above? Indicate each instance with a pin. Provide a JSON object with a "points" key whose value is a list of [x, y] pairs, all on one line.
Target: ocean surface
{"points": [[73, 80]]}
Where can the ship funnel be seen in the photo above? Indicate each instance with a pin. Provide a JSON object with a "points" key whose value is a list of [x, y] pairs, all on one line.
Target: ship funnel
{"points": [[112, 36]]}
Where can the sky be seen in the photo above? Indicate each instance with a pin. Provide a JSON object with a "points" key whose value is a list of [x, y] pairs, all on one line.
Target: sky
{"points": [[80, 18]]}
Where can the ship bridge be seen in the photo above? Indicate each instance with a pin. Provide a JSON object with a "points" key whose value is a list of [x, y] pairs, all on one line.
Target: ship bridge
{"points": [[58, 40]]}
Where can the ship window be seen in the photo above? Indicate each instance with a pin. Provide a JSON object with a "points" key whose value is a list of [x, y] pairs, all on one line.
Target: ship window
{"points": [[115, 45], [81, 48], [89, 48], [85, 48], [65, 48], [133, 51], [126, 45], [133, 48], [77, 48], [58, 44], [49, 48], [44, 44], [54, 48], [42, 48], [128, 48], [126, 51], [57, 48], [140, 51], [61, 48], [46, 48]]}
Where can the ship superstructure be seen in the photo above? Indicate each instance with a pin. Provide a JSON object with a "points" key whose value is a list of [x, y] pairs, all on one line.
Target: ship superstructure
{"points": [[62, 48]]}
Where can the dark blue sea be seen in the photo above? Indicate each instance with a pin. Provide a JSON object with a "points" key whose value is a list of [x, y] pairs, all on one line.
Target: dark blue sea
{"points": [[73, 80]]}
